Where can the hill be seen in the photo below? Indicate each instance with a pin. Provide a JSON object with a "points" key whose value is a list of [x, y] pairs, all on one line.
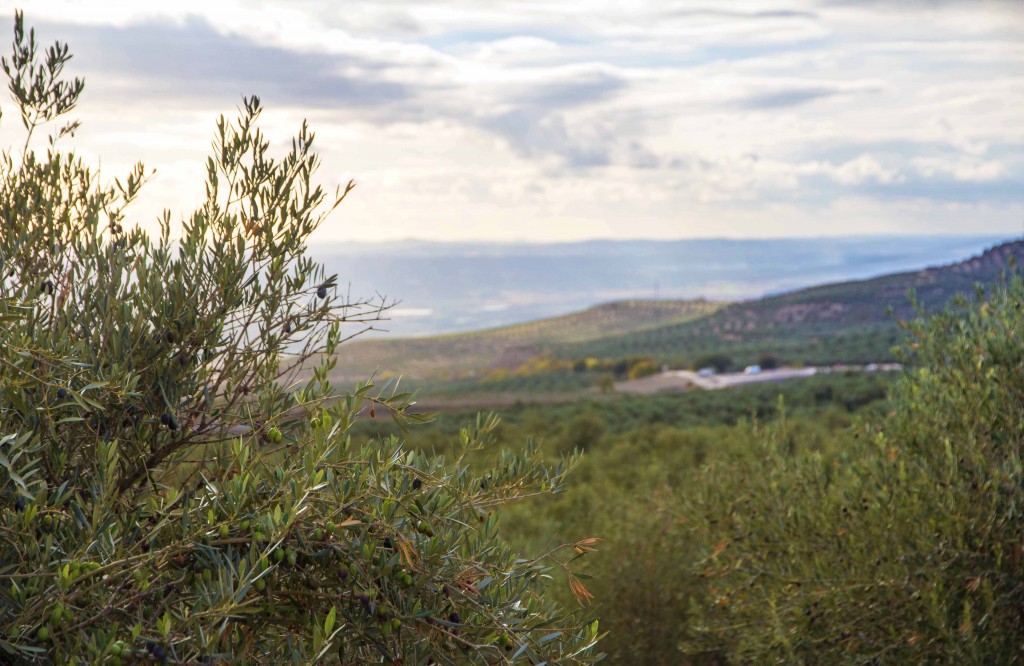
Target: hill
{"points": [[456, 287], [509, 347], [845, 322]]}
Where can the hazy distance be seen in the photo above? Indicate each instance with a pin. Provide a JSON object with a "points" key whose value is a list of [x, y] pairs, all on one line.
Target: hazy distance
{"points": [[446, 287]]}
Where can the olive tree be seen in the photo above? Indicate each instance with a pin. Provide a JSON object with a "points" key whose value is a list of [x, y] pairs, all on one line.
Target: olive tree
{"points": [[177, 481]]}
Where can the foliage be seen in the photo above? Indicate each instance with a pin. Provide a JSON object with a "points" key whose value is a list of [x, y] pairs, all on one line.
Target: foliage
{"points": [[644, 455], [829, 527], [177, 478], [831, 398], [718, 362], [909, 549]]}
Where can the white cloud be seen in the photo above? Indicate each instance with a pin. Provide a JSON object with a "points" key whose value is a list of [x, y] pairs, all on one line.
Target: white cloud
{"points": [[965, 169]]}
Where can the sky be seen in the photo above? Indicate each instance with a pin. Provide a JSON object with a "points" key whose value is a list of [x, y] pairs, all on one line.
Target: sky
{"points": [[553, 121]]}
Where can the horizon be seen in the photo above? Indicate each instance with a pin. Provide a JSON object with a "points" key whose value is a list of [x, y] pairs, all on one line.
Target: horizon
{"points": [[450, 287], [999, 238]]}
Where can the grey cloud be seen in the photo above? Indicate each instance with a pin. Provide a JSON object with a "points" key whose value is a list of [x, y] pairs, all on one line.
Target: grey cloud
{"points": [[726, 14], [195, 61], [536, 124], [532, 133], [584, 88], [640, 157], [777, 99]]}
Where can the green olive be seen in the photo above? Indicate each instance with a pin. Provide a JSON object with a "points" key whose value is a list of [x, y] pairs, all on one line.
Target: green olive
{"points": [[57, 614]]}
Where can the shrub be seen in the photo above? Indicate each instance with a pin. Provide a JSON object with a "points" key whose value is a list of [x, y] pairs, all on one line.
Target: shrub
{"points": [[177, 481], [720, 362], [907, 549]]}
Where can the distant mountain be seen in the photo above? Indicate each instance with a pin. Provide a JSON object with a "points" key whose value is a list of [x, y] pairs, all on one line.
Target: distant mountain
{"points": [[450, 287], [852, 321]]}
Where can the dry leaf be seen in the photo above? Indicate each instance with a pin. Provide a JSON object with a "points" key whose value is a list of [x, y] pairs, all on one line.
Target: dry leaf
{"points": [[581, 593]]}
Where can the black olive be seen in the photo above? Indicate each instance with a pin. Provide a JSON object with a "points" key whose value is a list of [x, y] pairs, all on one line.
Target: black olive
{"points": [[159, 652]]}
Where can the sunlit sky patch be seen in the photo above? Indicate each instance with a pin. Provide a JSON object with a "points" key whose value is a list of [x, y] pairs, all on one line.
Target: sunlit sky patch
{"points": [[549, 121]]}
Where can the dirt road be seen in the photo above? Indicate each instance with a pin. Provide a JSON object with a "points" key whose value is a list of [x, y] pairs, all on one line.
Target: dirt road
{"points": [[685, 380]]}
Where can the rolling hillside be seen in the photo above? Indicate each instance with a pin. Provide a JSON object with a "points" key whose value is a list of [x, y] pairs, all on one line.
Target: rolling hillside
{"points": [[853, 322], [509, 347], [844, 322]]}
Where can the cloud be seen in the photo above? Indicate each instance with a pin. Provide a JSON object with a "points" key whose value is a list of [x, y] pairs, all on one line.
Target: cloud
{"points": [[576, 116], [193, 60], [776, 99]]}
